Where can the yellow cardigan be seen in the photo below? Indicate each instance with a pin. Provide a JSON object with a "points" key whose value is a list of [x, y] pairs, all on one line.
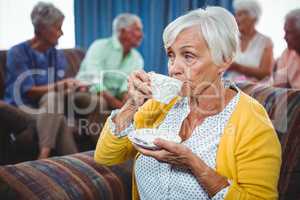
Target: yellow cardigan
{"points": [[249, 153]]}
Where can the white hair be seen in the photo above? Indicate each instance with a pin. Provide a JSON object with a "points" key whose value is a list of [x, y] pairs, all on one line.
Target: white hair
{"points": [[45, 14], [124, 20], [218, 27], [252, 6], [294, 15]]}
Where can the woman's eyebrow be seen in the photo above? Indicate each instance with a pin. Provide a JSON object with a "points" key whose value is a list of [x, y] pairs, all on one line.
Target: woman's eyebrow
{"points": [[187, 46]]}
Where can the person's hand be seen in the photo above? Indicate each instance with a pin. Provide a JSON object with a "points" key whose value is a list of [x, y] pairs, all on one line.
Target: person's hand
{"points": [[170, 152], [139, 88], [70, 83]]}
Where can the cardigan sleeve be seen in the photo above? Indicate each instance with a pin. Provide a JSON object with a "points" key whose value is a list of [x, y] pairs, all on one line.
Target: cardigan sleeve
{"points": [[111, 150]]}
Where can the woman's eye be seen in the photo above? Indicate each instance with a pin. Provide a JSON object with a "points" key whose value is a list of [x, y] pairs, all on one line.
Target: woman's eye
{"points": [[188, 57]]}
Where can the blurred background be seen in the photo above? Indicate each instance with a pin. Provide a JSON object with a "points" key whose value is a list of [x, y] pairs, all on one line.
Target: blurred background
{"points": [[87, 20]]}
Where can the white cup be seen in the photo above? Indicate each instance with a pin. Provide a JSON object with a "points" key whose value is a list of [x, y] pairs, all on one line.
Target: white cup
{"points": [[164, 88]]}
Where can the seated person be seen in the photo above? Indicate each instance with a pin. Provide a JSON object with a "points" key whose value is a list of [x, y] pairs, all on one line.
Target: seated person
{"points": [[254, 57], [34, 73], [229, 148], [9, 115], [287, 67], [112, 59], [16, 121]]}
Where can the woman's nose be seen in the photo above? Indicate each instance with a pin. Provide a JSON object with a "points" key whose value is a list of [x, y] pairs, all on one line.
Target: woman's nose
{"points": [[175, 67], [60, 33]]}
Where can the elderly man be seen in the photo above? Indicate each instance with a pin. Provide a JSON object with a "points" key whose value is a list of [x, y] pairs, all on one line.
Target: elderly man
{"points": [[287, 68], [111, 60]]}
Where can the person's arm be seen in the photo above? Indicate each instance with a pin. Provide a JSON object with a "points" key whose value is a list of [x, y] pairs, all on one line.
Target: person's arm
{"points": [[37, 92], [18, 77], [264, 69], [294, 75]]}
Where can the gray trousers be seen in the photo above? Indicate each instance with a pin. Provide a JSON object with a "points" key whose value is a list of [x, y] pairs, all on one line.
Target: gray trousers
{"points": [[52, 125]]}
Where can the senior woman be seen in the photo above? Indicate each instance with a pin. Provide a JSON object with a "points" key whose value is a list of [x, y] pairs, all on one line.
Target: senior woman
{"points": [[254, 58], [34, 71], [229, 149]]}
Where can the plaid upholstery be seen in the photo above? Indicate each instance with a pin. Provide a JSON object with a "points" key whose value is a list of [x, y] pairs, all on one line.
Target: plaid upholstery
{"points": [[75, 177], [283, 107]]}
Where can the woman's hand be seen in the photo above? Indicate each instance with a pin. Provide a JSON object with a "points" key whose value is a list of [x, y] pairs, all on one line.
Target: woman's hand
{"points": [[139, 88], [171, 152]]}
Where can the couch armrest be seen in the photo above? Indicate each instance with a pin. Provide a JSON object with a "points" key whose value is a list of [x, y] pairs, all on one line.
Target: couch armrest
{"points": [[69, 177]]}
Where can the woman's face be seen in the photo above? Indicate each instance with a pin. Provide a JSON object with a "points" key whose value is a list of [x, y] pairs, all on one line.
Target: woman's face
{"points": [[191, 62], [244, 20], [292, 34], [52, 33]]}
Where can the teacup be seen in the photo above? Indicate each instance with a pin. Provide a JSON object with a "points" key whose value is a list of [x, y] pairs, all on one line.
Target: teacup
{"points": [[164, 88]]}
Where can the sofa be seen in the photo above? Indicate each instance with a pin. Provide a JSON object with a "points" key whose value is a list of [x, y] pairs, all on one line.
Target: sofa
{"points": [[79, 177]]}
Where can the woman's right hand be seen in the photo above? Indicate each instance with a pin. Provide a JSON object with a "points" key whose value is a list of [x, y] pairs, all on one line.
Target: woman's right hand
{"points": [[139, 88]]}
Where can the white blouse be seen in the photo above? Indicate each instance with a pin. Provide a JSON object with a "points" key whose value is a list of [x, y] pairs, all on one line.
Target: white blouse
{"points": [[159, 181], [252, 55]]}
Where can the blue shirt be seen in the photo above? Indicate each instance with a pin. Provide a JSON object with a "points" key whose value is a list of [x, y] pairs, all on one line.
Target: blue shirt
{"points": [[26, 67]]}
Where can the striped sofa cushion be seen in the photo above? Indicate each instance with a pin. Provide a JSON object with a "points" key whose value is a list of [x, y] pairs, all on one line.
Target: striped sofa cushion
{"points": [[73, 177], [283, 107]]}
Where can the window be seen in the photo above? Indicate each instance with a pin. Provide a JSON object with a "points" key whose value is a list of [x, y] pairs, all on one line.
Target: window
{"points": [[272, 21], [16, 27]]}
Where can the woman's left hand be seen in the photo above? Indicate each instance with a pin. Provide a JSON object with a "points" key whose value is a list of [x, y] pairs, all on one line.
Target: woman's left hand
{"points": [[170, 152]]}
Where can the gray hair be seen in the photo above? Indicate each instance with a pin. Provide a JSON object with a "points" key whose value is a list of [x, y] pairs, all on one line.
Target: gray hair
{"points": [[252, 6], [295, 15], [218, 27], [45, 14], [124, 20]]}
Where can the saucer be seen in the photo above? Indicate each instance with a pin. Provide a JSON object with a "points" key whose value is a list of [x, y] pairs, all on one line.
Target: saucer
{"points": [[145, 137]]}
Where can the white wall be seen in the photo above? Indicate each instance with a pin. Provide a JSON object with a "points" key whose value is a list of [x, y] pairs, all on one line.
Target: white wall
{"points": [[272, 21], [16, 27]]}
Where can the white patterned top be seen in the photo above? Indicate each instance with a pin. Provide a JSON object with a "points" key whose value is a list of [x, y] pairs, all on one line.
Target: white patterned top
{"points": [[157, 180]]}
